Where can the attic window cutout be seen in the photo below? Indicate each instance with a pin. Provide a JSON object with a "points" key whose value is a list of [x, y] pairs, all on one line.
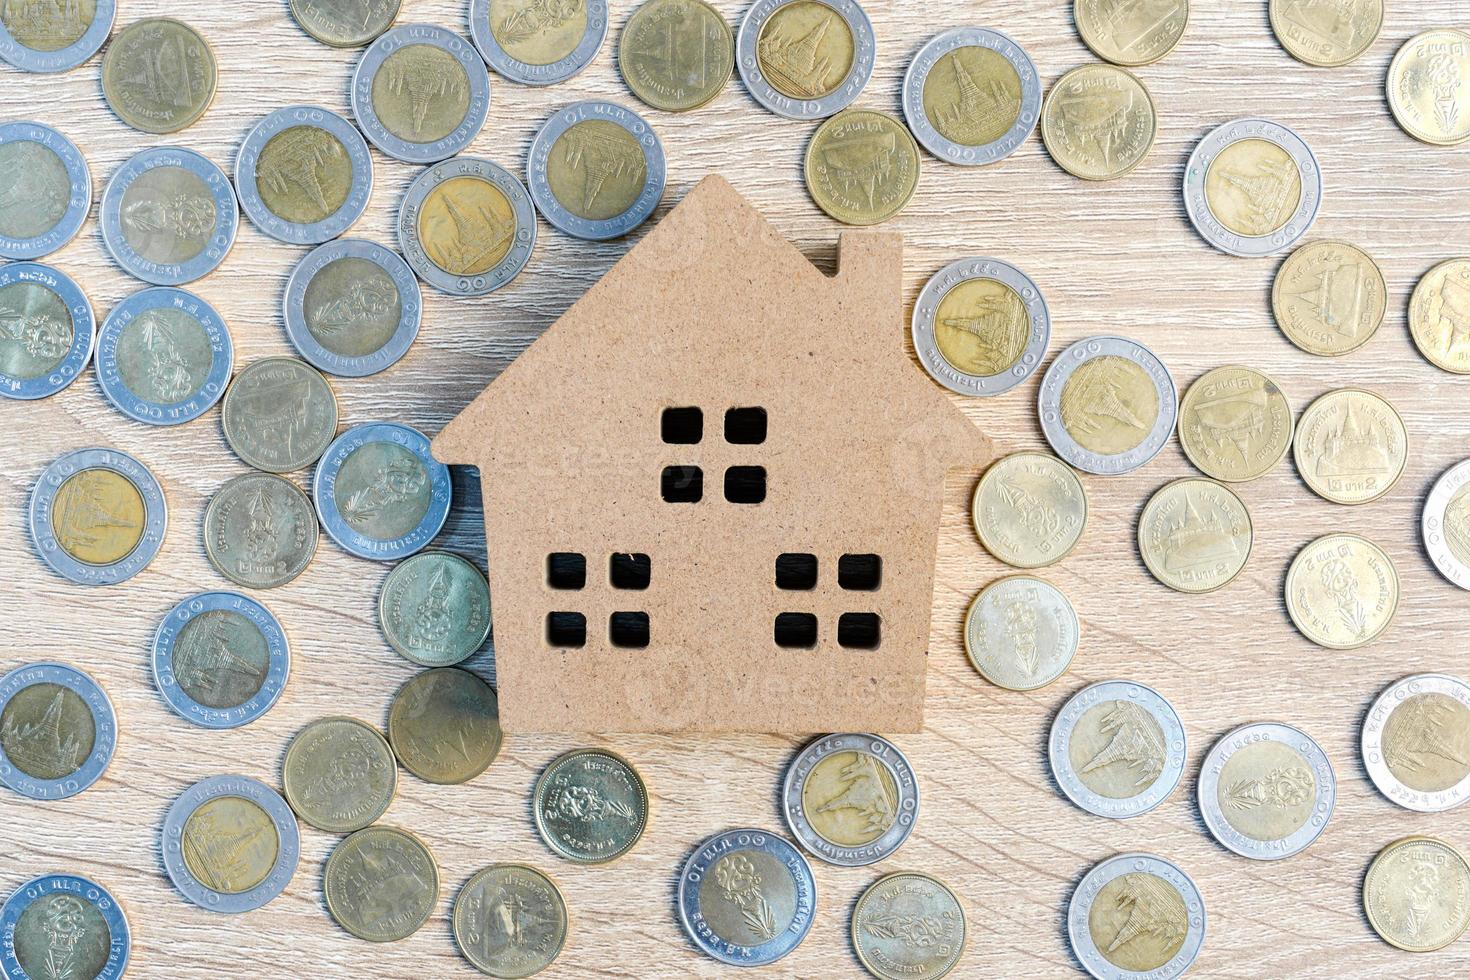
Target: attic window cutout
{"points": [[566, 629], [683, 484], [745, 484], [683, 426], [860, 573], [566, 570], [629, 571], [796, 571], [628, 629], [859, 631], [745, 426], [798, 630]]}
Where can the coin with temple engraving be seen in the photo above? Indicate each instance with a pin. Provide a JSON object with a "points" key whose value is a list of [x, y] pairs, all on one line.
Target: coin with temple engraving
{"points": [[279, 414], [379, 493], [435, 608], [1107, 405], [805, 59], [1351, 446], [1266, 791], [980, 326], [1235, 424], [851, 799], [539, 921], [444, 725], [1021, 633], [381, 884], [746, 897], [590, 806], [538, 42], [1429, 87], [1439, 316], [159, 75], [1131, 32], [1252, 187], [230, 844], [1416, 742], [53, 37], [1445, 524], [972, 96], [344, 23], [1417, 894], [467, 226], [260, 531], [1117, 749], [1195, 535], [596, 170], [164, 356], [49, 330], [1098, 122], [1329, 297], [420, 93], [45, 190], [1342, 591], [1029, 509], [58, 731], [908, 924], [169, 216], [339, 774], [62, 926], [676, 55], [1135, 916], [1326, 35], [220, 659], [304, 175], [874, 144], [352, 307], [98, 516]]}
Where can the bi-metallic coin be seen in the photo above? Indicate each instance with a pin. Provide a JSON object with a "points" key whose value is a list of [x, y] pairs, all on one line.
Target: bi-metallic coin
{"points": [[381, 884], [304, 175], [972, 96], [1416, 742], [220, 659], [1326, 37], [230, 844], [1117, 749], [823, 781], [1195, 535], [1417, 894], [344, 23], [861, 134], [1429, 85], [1266, 791], [1445, 524], [1021, 633], [164, 356], [1029, 509], [538, 43], [420, 93], [1351, 446], [159, 75], [596, 170], [1439, 316], [352, 307], [1098, 122], [1329, 297], [590, 805], [48, 189], [1342, 591], [49, 334], [1235, 424], [1252, 187], [279, 414], [260, 531], [676, 55], [42, 37], [57, 731], [1135, 916], [444, 725], [467, 226], [435, 608], [805, 59], [378, 491], [169, 216], [541, 931], [62, 926], [980, 326], [1107, 405], [747, 897], [98, 516], [893, 954], [1131, 32], [339, 774]]}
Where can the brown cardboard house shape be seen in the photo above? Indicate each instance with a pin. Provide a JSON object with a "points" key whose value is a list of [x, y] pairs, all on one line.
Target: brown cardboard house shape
{"points": [[712, 490]]}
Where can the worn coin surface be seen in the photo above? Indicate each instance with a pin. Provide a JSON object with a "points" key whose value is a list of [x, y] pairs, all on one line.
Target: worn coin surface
{"points": [[352, 307], [1266, 791], [805, 59], [45, 190], [972, 96], [164, 356], [220, 659], [1439, 316], [304, 175], [1029, 509], [381, 884], [260, 531], [467, 226], [58, 731], [851, 799], [590, 806], [861, 166], [1429, 86], [1417, 894], [1135, 916], [159, 75], [1098, 122], [339, 774], [98, 516], [908, 924], [1416, 742], [1131, 32], [747, 897], [48, 330], [676, 55], [230, 844], [538, 42], [1117, 749], [1195, 535], [444, 725], [1235, 424], [1252, 187], [1021, 633], [1342, 591], [1107, 405], [53, 37], [379, 493], [279, 414], [1326, 35], [1445, 524], [62, 926], [980, 326], [538, 921], [1329, 297], [596, 170], [435, 608], [420, 93], [344, 23], [1351, 446], [169, 216]]}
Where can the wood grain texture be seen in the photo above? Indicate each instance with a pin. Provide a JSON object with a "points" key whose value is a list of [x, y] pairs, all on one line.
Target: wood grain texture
{"points": [[1111, 258]]}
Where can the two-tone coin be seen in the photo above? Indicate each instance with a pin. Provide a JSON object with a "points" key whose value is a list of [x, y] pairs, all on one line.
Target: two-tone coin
{"points": [[1021, 633], [1428, 86], [159, 75], [1326, 37], [61, 926], [98, 516], [378, 491], [304, 175], [1266, 791], [49, 330], [230, 844], [805, 59], [538, 43], [444, 725], [746, 897], [1235, 424], [344, 23], [164, 356], [435, 608], [890, 953], [851, 799], [1029, 509], [1107, 405], [1342, 591], [1329, 297], [1416, 742], [339, 774], [260, 531], [1417, 894], [1439, 316], [540, 929], [47, 38], [381, 884], [676, 55], [58, 731], [980, 326], [1252, 187], [467, 226], [1445, 524], [169, 216], [972, 96], [420, 93], [279, 414], [861, 139], [1351, 446], [352, 307], [1098, 122], [1131, 32], [596, 170], [48, 190], [590, 805], [1134, 916], [1195, 535], [1117, 749], [220, 659]]}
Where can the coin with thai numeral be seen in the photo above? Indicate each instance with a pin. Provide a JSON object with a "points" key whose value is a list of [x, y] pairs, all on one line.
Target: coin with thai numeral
{"points": [[230, 844], [344, 23], [379, 493], [1266, 791], [352, 307], [50, 330], [444, 725], [304, 175], [1342, 591], [980, 326], [381, 884], [1439, 316], [53, 37], [747, 897], [596, 170], [1351, 446], [435, 608], [819, 789], [1021, 633], [1099, 122], [420, 93], [164, 356], [1416, 742], [1327, 36], [972, 96], [62, 926], [1135, 916], [1429, 84], [890, 953], [538, 42], [1117, 749], [590, 805], [1417, 894], [540, 930], [1445, 524], [859, 132], [1195, 535], [220, 659], [676, 55], [57, 731], [339, 774], [467, 226], [1029, 509], [98, 516], [260, 530], [169, 216], [805, 59], [1329, 297], [48, 190], [1252, 187], [279, 414], [1107, 405], [1234, 424]]}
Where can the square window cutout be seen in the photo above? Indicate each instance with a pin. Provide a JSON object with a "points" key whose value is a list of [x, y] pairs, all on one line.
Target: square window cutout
{"points": [[745, 484], [860, 573], [629, 571], [859, 631], [628, 629], [566, 629], [796, 571], [745, 426], [682, 426], [798, 630], [683, 484], [566, 570]]}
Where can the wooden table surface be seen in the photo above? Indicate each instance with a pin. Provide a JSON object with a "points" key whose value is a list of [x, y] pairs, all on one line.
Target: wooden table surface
{"points": [[1112, 258]]}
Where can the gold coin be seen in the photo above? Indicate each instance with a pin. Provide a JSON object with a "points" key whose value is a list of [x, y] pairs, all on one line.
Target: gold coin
{"points": [[98, 516], [1429, 87], [47, 731], [1109, 405], [303, 175], [1426, 742], [159, 75], [1021, 633], [537, 928], [1098, 122], [1195, 535], [888, 949], [50, 26], [1351, 446], [1235, 424], [1253, 187], [986, 326], [862, 167], [805, 50], [1439, 316], [344, 23], [1342, 591], [381, 884], [538, 32], [1029, 509], [846, 826], [444, 725], [676, 55], [972, 95], [339, 774], [1131, 32], [420, 93], [1329, 298], [473, 204], [1327, 35], [1417, 894], [230, 844], [603, 148], [1118, 750], [1130, 945]]}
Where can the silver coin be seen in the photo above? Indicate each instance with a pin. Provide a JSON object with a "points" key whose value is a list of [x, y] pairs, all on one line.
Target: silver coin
{"points": [[105, 537], [435, 608], [1445, 524], [747, 897], [304, 175], [1021, 633], [416, 89], [46, 752], [1266, 791], [352, 307], [1117, 749], [279, 414], [585, 160], [84, 932], [538, 43], [230, 869], [467, 252], [169, 216], [49, 330], [993, 309], [1094, 421], [1105, 919], [45, 189], [824, 781], [1259, 206], [260, 531], [164, 356], [972, 135], [220, 659], [778, 52], [53, 37], [379, 493], [1416, 742]]}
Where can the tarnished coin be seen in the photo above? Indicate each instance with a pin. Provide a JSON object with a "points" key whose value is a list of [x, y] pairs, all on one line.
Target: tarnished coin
{"points": [[379, 493], [980, 326], [1342, 591], [538, 921], [972, 96], [435, 608], [304, 175], [538, 42], [45, 189], [590, 806], [62, 926], [420, 93], [52, 37], [1351, 446], [676, 55], [1135, 916], [339, 774], [279, 414], [1029, 510], [169, 216], [57, 731], [1131, 32], [467, 226], [381, 884], [344, 23], [1021, 633], [1416, 742], [352, 307], [596, 170], [47, 330], [747, 897], [444, 725], [906, 925], [1266, 791], [873, 144], [1326, 35], [850, 799], [164, 356], [1329, 297], [1195, 535], [260, 531], [1107, 405], [1117, 749], [1099, 122], [98, 516], [159, 75], [230, 844], [1252, 187], [1445, 524], [1439, 315], [1429, 87], [805, 59], [1235, 424], [220, 659], [1417, 894]]}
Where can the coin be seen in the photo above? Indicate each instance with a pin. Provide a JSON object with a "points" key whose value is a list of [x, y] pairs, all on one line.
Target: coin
{"points": [[467, 226], [164, 356], [1194, 535], [1235, 424], [805, 59], [1417, 894], [435, 608], [676, 55], [260, 531], [540, 929], [1445, 524], [220, 659], [1136, 915], [352, 307], [1021, 633], [1117, 749], [54, 37], [874, 144], [230, 844], [1351, 446], [57, 731], [98, 516], [304, 175], [169, 216], [1131, 32], [1327, 37], [49, 330], [1107, 405], [887, 949], [381, 884], [1266, 791], [339, 774], [1329, 297], [379, 493], [596, 170], [1428, 85], [980, 326], [746, 897], [279, 414], [1439, 316], [1099, 122], [1029, 510], [1342, 591], [344, 23], [971, 96], [1252, 187], [159, 75], [590, 805], [850, 799], [444, 725], [420, 93], [1416, 742], [45, 189], [538, 42], [62, 926]]}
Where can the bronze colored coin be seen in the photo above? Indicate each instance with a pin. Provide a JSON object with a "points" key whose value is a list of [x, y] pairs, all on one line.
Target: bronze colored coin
{"points": [[230, 844], [1439, 316], [98, 516], [1139, 922], [1417, 894], [421, 94], [1426, 742], [1109, 405], [590, 806], [824, 790], [1342, 591], [676, 55], [1195, 535], [47, 731], [1429, 87], [972, 95], [339, 775], [908, 925], [1329, 297], [1351, 446], [444, 725], [610, 190], [381, 884], [467, 225], [510, 921], [1029, 510], [260, 531], [1326, 35], [1253, 187], [1235, 424], [159, 75], [279, 414], [1099, 122], [303, 175], [344, 23], [862, 167], [1131, 32], [805, 50]]}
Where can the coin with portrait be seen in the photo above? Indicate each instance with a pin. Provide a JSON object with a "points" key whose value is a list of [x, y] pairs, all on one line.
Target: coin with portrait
{"points": [[381, 884], [444, 725]]}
